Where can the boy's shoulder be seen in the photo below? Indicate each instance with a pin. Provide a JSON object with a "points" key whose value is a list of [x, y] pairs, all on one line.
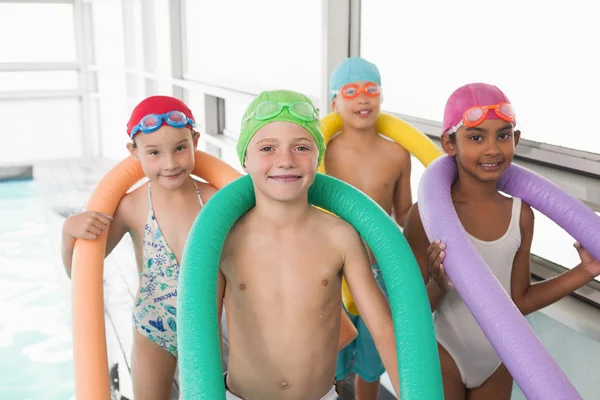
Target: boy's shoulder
{"points": [[392, 149], [339, 230]]}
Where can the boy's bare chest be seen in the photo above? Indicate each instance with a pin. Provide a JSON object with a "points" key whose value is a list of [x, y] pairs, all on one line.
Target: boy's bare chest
{"points": [[373, 173], [284, 264]]}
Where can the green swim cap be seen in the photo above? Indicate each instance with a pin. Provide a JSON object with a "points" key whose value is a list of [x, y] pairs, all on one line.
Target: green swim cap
{"points": [[279, 105]]}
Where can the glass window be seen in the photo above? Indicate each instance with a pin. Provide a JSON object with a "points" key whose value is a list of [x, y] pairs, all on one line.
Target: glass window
{"points": [[138, 34], [553, 243], [107, 26], [38, 80], [134, 47], [109, 49], [234, 111], [56, 133], [36, 32], [113, 114], [533, 59], [538, 60], [195, 101], [162, 34], [229, 155], [274, 48]]}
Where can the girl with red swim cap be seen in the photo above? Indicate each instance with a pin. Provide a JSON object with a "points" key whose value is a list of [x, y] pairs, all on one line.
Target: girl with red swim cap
{"points": [[479, 132], [158, 216]]}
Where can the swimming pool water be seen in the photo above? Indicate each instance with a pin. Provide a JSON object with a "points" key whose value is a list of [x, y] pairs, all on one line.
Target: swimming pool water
{"points": [[35, 327]]}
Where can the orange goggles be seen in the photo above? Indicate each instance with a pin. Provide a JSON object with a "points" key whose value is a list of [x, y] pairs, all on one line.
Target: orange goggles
{"points": [[351, 91], [477, 114]]}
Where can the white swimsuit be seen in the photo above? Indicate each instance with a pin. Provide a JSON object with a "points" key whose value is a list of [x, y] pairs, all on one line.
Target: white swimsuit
{"points": [[456, 328]]}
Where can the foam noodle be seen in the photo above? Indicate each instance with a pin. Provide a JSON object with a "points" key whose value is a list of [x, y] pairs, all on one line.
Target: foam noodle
{"points": [[534, 370]]}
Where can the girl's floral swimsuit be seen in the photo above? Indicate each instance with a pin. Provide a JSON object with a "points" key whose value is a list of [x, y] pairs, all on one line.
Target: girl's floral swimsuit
{"points": [[155, 311]]}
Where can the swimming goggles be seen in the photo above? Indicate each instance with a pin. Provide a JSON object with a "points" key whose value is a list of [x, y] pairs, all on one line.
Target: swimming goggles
{"points": [[351, 90], [152, 122], [477, 114], [269, 109]]}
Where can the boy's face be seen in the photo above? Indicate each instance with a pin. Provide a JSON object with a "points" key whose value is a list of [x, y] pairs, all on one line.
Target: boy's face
{"points": [[282, 160], [166, 155], [484, 151], [360, 112]]}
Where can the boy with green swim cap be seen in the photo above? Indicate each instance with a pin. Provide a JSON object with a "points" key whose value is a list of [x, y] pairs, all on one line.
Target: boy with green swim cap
{"points": [[269, 107], [282, 263], [381, 169]]}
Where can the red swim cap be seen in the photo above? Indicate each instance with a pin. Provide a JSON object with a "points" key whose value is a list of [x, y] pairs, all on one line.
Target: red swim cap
{"points": [[157, 105]]}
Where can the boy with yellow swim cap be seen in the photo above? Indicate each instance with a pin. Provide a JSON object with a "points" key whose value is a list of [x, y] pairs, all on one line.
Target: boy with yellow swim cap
{"points": [[381, 169], [281, 268]]}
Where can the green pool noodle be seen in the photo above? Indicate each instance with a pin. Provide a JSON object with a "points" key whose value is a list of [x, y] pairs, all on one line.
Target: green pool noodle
{"points": [[200, 366]]}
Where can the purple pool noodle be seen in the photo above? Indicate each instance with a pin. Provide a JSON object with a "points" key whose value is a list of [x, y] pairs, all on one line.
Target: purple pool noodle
{"points": [[578, 220], [534, 370]]}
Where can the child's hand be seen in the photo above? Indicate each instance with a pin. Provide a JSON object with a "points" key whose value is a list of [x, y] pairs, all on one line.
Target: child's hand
{"points": [[436, 268], [87, 225], [588, 261]]}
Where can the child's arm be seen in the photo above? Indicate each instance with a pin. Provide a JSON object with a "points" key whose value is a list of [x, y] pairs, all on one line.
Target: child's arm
{"points": [[402, 194], [532, 297], [369, 298], [86, 225], [89, 225], [429, 257]]}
